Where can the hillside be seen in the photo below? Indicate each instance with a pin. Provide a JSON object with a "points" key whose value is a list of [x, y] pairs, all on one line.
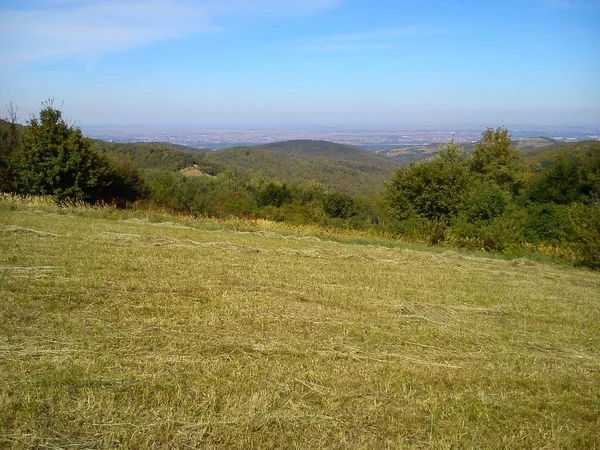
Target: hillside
{"points": [[326, 149], [121, 330], [411, 153], [356, 176], [546, 154], [151, 155], [532, 144]]}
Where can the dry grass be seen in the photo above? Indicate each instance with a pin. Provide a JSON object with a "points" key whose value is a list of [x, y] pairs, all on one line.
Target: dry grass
{"points": [[117, 331]]}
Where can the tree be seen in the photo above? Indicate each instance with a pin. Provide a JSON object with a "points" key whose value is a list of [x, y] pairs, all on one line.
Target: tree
{"points": [[434, 190], [9, 149], [494, 158], [339, 205], [58, 161]]}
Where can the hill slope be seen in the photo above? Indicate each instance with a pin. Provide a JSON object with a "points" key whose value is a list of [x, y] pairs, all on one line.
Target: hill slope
{"points": [[359, 176], [326, 149], [585, 149], [151, 155], [123, 332]]}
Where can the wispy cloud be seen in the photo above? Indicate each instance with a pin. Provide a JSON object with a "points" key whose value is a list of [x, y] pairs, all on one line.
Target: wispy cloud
{"points": [[368, 40], [50, 29]]}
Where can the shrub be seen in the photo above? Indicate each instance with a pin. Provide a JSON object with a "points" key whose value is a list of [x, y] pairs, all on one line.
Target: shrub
{"points": [[339, 206], [435, 190], [584, 232]]}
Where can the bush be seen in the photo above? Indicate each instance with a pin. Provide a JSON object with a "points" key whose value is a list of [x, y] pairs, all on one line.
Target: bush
{"points": [[435, 190], [177, 192], [339, 206], [584, 232], [485, 203], [567, 180], [273, 194]]}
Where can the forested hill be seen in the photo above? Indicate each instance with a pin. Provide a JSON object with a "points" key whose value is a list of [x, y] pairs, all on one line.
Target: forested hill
{"points": [[555, 151], [326, 149], [351, 176], [154, 155]]}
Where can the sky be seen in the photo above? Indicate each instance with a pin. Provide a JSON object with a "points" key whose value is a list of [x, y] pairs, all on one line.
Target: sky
{"points": [[312, 62]]}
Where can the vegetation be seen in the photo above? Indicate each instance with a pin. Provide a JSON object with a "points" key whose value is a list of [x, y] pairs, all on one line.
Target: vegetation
{"points": [[354, 177], [136, 329], [245, 308], [146, 155], [50, 157], [487, 197], [495, 201]]}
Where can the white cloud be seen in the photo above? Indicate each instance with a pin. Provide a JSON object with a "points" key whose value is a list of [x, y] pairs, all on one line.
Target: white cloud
{"points": [[50, 29]]}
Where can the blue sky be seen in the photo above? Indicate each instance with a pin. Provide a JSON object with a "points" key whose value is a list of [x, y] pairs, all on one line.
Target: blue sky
{"points": [[285, 62]]}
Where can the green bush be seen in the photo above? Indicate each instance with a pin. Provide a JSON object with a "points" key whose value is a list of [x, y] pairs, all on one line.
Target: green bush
{"points": [[177, 192], [584, 232], [485, 202], [435, 190], [339, 206]]}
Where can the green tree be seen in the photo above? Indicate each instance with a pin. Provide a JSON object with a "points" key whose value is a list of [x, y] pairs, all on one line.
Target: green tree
{"points": [[339, 205], [495, 159], [58, 161], [567, 180], [433, 190], [274, 194], [10, 141]]}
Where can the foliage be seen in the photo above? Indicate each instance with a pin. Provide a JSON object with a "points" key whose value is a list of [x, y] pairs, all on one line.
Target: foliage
{"points": [[10, 143], [274, 194], [339, 205], [584, 232], [153, 155], [567, 179], [350, 176], [485, 202], [329, 150], [434, 190], [58, 161], [494, 158]]}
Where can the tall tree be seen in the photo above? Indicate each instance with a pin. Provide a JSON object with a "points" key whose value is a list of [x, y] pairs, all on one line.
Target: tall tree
{"points": [[495, 159], [58, 161]]}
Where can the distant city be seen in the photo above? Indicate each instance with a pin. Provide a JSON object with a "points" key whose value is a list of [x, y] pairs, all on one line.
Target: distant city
{"points": [[371, 139]]}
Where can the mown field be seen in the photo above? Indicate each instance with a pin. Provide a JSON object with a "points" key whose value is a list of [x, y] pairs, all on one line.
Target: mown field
{"points": [[122, 331]]}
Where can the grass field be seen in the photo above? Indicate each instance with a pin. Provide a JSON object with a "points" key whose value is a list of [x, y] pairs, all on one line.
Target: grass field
{"points": [[118, 331]]}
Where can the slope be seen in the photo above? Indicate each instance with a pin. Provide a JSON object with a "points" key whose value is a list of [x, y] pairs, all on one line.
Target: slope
{"points": [[326, 149], [155, 155], [352, 176], [546, 154]]}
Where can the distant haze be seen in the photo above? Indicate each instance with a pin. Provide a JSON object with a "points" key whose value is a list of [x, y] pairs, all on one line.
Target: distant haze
{"points": [[372, 138]]}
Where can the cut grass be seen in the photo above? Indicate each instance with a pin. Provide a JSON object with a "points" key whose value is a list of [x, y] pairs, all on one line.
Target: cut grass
{"points": [[117, 331]]}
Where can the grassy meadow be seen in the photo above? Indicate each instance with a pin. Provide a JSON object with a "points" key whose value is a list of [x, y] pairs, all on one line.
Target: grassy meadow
{"points": [[120, 329]]}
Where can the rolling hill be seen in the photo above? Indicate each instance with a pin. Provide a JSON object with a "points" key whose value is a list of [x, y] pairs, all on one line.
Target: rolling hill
{"points": [[347, 169], [325, 149], [546, 154], [532, 144], [151, 155]]}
